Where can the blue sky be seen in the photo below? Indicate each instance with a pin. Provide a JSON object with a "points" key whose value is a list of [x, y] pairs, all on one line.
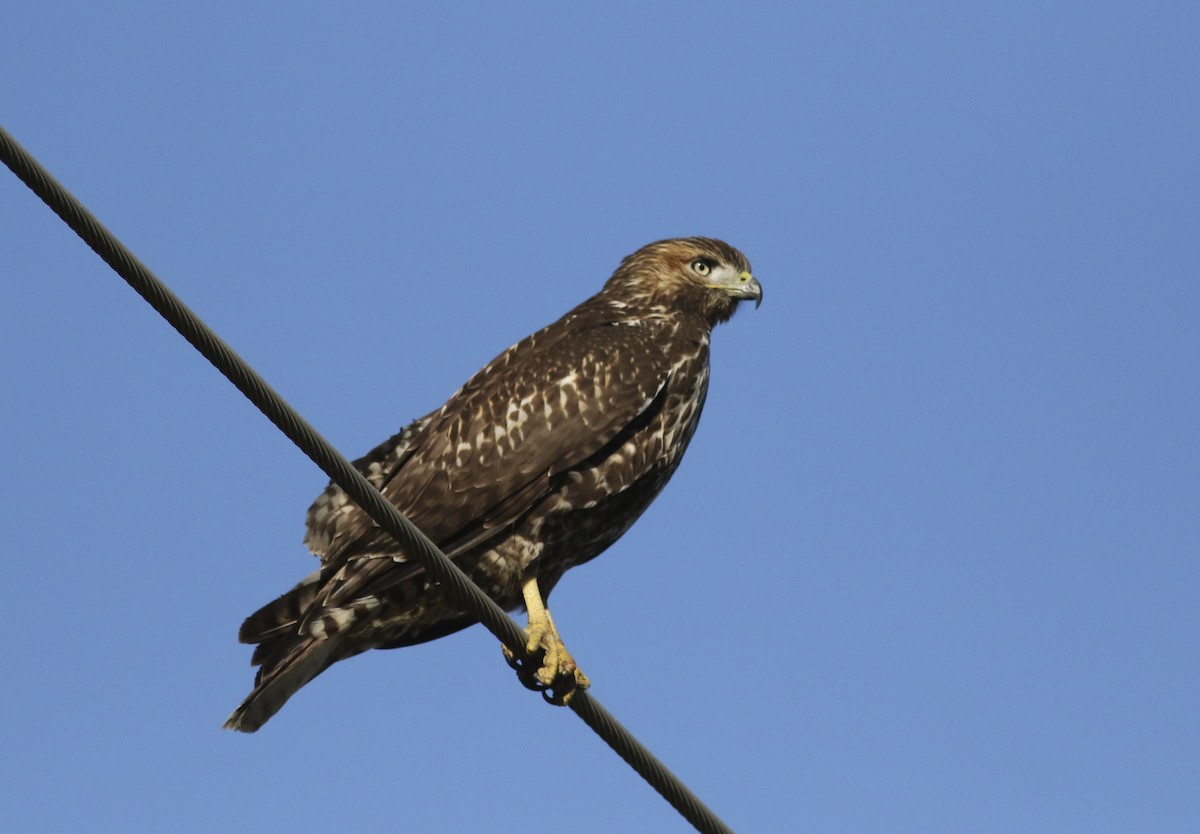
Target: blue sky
{"points": [[931, 563]]}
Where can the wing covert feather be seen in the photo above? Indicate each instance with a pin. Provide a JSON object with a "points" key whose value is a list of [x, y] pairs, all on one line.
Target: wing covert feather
{"points": [[538, 409]]}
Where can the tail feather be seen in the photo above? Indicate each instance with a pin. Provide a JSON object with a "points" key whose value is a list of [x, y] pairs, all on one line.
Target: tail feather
{"points": [[280, 678], [289, 657], [281, 615], [332, 614]]}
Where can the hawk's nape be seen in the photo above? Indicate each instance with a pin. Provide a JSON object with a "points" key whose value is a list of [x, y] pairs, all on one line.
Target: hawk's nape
{"points": [[538, 463]]}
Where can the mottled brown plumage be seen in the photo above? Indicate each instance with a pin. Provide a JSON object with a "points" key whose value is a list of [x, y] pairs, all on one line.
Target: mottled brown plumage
{"points": [[537, 464]]}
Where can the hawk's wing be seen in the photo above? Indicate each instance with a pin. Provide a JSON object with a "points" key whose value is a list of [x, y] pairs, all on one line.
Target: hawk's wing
{"points": [[334, 511], [488, 455]]}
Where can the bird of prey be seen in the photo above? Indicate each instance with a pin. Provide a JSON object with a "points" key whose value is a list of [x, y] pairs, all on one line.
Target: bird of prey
{"points": [[538, 463]]}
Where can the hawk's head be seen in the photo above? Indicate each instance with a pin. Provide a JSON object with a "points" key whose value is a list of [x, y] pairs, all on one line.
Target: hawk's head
{"points": [[691, 272]]}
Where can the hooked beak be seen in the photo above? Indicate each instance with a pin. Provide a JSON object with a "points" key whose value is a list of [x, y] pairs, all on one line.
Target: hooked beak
{"points": [[746, 288]]}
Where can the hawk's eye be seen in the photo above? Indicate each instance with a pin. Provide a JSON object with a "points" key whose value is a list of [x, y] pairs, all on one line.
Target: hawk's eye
{"points": [[702, 266]]}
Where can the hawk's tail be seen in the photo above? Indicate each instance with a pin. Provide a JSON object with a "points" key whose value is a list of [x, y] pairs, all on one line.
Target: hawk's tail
{"points": [[290, 654], [302, 633], [280, 678]]}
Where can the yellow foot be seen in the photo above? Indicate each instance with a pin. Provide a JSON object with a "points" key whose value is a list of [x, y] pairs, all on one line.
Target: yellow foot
{"points": [[556, 676]]}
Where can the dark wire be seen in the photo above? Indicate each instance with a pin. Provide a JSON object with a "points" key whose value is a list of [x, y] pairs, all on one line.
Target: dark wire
{"points": [[298, 430]]}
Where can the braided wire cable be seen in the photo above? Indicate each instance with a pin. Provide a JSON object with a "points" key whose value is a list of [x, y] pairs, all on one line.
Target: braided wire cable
{"points": [[321, 452]]}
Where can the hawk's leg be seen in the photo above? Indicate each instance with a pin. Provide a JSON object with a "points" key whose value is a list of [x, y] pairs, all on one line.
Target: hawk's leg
{"points": [[557, 676]]}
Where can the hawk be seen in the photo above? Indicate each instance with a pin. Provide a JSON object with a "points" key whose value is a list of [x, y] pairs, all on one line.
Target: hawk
{"points": [[537, 464]]}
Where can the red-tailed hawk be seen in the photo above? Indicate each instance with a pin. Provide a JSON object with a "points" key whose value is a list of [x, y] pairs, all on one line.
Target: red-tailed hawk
{"points": [[537, 464]]}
